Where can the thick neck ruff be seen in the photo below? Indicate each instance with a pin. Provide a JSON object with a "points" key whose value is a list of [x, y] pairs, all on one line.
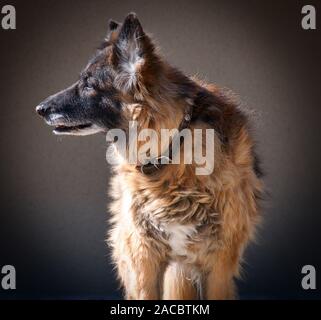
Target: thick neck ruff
{"points": [[156, 164]]}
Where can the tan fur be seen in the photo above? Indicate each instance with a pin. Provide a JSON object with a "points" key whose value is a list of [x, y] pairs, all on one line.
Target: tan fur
{"points": [[214, 215], [174, 234], [223, 207]]}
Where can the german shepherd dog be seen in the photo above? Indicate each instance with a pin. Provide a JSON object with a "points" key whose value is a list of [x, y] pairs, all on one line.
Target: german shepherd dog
{"points": [[174, 234]]}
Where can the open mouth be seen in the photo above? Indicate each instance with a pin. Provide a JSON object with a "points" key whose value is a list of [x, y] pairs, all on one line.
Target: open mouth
{"points": [[63, 126], [64, 129]]}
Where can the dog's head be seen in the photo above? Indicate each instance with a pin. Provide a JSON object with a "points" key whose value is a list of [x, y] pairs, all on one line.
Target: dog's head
{"points": [[120, 73]]}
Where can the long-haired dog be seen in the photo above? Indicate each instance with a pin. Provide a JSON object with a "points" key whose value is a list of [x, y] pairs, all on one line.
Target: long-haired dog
{"points": [[175, 234]]}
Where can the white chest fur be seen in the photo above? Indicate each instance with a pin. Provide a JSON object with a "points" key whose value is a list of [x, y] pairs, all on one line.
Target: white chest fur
{"points": [[179, 236]]}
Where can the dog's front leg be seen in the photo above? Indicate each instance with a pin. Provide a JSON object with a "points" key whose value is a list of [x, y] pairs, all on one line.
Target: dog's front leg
{"points": [[149, 285], [219, 284], [224, 265], [140, 266]]}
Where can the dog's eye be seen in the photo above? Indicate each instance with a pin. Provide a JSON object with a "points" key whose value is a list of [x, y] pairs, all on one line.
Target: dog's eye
{"points": [[88, 88]]}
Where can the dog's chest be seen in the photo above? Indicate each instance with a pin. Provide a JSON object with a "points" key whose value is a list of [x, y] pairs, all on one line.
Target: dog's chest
{"points": [[158, 220], [179, 237]]}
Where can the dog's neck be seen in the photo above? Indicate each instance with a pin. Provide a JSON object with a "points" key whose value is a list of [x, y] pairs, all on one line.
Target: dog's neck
{"points": [[175, 110], [156, 164]]}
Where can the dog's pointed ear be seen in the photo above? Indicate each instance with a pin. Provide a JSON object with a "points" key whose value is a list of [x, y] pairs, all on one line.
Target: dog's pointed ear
{"points": [[132, 50], [113, 25], [131, 29]]}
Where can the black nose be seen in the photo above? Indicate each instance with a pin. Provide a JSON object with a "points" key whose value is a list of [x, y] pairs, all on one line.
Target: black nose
{"points": [[41, 109]]}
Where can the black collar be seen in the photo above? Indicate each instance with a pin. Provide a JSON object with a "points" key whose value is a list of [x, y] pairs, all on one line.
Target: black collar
{"points": [[155, 165]]}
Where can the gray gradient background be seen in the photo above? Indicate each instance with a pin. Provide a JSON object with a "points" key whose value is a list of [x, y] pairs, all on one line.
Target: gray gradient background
{"points": [[53, 190]]}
